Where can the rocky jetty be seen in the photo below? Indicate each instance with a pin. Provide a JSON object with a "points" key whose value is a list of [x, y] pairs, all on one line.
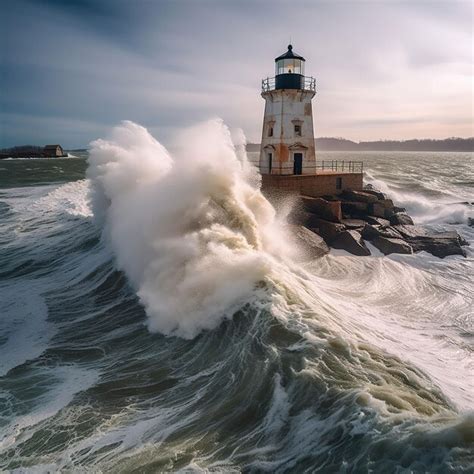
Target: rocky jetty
{"points": [[350, 219]]}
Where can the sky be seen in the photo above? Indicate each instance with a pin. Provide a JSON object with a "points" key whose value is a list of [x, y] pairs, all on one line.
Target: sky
{"points": [[71, 70]]}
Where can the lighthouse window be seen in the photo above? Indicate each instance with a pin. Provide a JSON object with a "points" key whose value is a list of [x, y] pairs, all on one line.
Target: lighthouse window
{"points": [[338, 183], [270, 131], [290, 65], [298, 130]]}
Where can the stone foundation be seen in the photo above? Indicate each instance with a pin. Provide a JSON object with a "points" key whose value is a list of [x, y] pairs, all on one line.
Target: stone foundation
{"points": [[314, 185]]}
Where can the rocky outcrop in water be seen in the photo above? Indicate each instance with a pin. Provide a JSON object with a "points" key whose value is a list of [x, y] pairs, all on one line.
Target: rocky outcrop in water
{"points": [[348, 220], [309, 242]]}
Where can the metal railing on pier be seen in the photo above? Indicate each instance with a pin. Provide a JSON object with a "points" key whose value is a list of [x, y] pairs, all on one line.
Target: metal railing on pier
{"points": [[340, 166]]}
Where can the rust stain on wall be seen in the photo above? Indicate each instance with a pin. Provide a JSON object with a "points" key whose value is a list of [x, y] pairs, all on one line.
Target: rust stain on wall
{"points": [[284, 152]]}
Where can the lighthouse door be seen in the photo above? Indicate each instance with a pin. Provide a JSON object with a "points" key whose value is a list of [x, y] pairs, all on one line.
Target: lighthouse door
{"points": [[298, 163]]}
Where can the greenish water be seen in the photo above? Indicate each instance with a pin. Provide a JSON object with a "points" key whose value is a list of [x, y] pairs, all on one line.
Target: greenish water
{"points": [[344, 364]]}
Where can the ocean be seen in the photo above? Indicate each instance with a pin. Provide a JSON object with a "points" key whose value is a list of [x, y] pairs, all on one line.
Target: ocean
{"points": [[155, 317]]}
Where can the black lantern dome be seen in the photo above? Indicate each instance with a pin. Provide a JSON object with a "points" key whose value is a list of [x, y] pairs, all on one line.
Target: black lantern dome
{"points": [[290, 55], [289, 70]]}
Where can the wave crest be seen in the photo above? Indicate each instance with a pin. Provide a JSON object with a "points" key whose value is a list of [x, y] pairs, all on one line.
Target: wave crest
{"points": [[192, 232]]}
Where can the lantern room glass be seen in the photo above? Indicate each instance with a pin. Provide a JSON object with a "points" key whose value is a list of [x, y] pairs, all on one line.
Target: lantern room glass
{"points": [[289, 66]]}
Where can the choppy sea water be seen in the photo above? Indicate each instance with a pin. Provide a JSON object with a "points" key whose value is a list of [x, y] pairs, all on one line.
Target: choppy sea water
{"points": [[153, 320]]}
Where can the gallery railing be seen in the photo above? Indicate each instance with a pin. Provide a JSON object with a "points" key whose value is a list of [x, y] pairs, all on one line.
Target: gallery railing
{"points": [[307, 83], [340, 166]]}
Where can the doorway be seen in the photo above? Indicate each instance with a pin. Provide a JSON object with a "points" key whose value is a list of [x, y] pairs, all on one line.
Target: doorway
{"points": [[298, 163], [270, 159]]}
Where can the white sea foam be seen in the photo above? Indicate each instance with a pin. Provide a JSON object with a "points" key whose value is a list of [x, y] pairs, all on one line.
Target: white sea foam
{"points": [[61, 384], [193, 232], [423, 209]]}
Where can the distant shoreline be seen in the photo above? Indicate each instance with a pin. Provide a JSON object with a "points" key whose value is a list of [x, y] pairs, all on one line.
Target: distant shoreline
{"points": [[465, 145], [341, 144]]}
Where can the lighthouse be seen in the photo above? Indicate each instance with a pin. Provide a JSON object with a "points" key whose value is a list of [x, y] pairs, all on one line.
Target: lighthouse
{"points": [[287, 160], [287, 145]]}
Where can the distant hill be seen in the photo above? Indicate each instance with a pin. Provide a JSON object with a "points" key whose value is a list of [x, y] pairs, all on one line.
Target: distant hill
{"points": [[342, 144]]}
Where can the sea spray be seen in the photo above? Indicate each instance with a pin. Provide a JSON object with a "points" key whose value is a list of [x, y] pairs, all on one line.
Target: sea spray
{"points": [[305, 382], [193, 232], [198, 242]]}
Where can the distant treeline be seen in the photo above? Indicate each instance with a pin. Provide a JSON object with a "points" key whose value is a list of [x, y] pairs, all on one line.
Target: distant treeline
{"points": [[341, 144], [33, 149]]}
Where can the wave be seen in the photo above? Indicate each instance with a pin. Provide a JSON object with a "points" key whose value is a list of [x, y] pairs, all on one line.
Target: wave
{"points": [[198, 241], [182, 335], [426, 210], [193, 233]]}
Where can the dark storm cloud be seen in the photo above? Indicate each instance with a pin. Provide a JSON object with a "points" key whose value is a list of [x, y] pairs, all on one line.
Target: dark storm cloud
{"points": [[71, 69]]}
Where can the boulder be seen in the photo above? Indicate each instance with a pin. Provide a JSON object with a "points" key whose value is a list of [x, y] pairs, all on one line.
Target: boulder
{"points": [[311, 244], [354, 208], [382, 208], [400, 218], [351, 241], [417, 232], [370, 189], [439, 244], [377, 221], [470, 221], [358, 196], [329, 210], [390, 245], [398, 209], [371, 232], [353, 223], [300, 217], [377, 209], [388, 203], [327, 229]]}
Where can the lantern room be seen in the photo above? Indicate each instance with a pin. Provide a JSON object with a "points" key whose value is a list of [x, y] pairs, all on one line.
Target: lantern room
{"points": [[289, 63], [289, 70]]}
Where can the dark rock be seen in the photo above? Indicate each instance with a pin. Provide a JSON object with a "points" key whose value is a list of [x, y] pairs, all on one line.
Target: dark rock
{"points": [[300, 217], [329, 210], [371, 232], [353, 223], [438, 247], [398, 209], [388, 203], [470, 221], [358, 196], [401, 218], [383, 208], [355, 209], [370, 189], [390, 245], [311, 244], [377, 209], [440, 244], [377, 221], [330, 197], [327, 229], [417, 231], [351, 241]]}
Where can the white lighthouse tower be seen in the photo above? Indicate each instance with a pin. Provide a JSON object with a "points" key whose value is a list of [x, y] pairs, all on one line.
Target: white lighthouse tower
{"points": [[287, 146]]}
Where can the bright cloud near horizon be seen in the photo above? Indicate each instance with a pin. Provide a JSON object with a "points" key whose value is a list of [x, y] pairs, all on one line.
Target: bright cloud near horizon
{"points": [[384, 69]]}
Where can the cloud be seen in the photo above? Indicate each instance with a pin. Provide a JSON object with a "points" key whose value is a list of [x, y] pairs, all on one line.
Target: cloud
{"points": [[167, 64]]}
